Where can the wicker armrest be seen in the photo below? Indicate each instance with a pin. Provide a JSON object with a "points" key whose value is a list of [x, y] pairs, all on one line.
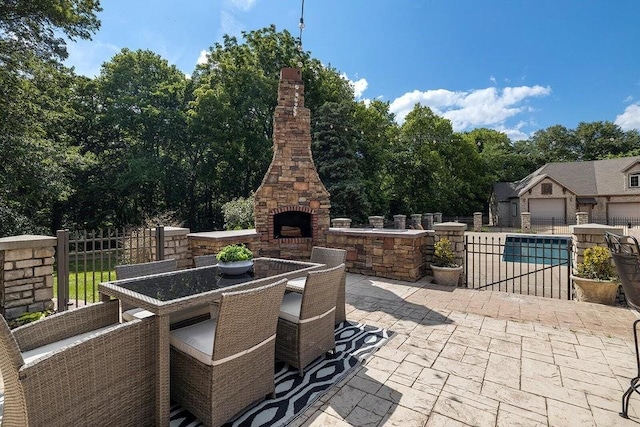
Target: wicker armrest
{"points": [[106, 376], [67, 324]]}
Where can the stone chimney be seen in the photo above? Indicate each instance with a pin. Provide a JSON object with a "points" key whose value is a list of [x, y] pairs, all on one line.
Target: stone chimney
{"points": [[291, 205]]}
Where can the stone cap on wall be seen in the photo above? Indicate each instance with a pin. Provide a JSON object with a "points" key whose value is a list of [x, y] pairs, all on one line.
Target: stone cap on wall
{"points": [[594, 229], [215, 235], [175, 231], [382, 232], [450, 226], [26, 241]]}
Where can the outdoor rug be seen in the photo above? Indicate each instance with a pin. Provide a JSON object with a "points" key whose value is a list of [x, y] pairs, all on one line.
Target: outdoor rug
{"points": [[354, 343]]}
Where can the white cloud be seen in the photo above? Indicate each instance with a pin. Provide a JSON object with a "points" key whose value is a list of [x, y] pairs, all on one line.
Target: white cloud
{"points": [[359, 86], [87, 56], [489, 107], [628, 99], [492, 79], [630, 119], [243, 5], [203, 57]]}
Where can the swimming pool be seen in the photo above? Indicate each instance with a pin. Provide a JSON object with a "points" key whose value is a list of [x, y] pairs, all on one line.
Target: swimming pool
{"points": [[537, 249]]}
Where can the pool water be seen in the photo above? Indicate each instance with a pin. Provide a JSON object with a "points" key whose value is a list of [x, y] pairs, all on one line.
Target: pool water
{"points": [[550, 250]]}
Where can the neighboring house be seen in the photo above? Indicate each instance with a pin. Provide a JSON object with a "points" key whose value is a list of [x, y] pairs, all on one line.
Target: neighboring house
{"points": [[605, 189]]}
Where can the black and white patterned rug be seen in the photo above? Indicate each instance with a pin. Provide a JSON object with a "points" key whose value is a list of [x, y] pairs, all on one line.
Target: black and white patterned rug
{"points": [[354, 343]]}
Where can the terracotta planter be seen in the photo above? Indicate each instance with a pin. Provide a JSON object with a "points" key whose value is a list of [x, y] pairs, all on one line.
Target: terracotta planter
{"points": [[448, 276], [598, 291]]}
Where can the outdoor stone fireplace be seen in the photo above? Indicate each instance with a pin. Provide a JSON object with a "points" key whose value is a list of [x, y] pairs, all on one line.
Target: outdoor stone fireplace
{"points": [[291, 205]]}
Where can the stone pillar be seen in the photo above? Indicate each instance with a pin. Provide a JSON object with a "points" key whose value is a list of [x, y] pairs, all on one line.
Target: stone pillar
{"points": [[587, 235], [376, 221], [341, 222], [437, 217], [416, 221], [427, 221], [454, 231], [399, 222], [176, 246], [525, 221], [477, 221], [582, 218], [26, 274]]}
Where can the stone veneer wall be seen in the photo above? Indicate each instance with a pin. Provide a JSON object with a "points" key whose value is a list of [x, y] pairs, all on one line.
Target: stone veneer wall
{"points": [[176, 246], [587, 235], [211, 242], [399, 254], [26, 274], [454, 231]]}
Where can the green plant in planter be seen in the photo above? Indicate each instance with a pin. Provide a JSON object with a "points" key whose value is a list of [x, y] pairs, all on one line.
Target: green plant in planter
{"points": [[443, 255], [596, 264], [231, 253]]}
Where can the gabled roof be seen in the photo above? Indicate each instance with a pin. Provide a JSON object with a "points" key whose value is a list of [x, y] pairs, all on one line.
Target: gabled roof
{"points": [[591, 178]]}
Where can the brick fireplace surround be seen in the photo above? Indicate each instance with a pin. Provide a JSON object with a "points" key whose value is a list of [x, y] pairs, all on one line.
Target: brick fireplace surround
{"points": [[291, 205]]}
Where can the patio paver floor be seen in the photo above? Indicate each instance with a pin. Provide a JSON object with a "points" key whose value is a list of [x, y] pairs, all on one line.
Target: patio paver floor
{"points": [[462, 357]]}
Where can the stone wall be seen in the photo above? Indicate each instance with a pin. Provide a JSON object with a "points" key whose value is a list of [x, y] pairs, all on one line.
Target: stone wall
{"points": [[393, 254], [26, 275], [211, 242], [176, 246]]}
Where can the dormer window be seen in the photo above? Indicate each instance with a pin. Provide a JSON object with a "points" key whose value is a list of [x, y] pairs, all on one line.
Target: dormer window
{"points": [[634, 180]]}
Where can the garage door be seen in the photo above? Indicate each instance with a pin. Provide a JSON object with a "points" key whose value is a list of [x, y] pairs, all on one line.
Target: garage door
{"points": [[622, 212], [547, 208]]}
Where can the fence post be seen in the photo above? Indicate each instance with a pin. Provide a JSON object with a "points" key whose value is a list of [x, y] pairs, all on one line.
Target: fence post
{"points": [[399, 222], [454, 231], [477, 221], [376, 221], [159, 243], [525, 221], [62, 259]]}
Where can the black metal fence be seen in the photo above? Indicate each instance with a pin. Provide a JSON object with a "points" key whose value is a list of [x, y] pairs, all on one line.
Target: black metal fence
{"points": [[84, 259], [522, 264]]}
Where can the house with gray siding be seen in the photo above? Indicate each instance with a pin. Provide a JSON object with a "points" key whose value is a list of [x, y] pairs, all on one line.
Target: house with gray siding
{"points": [[605, 189]]}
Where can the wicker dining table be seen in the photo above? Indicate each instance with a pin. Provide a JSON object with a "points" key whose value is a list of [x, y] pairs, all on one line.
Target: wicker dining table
{"points": [[166, 293]]}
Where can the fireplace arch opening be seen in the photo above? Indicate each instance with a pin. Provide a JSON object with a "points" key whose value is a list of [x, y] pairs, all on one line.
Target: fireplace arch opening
{"points": [[292, 224]]}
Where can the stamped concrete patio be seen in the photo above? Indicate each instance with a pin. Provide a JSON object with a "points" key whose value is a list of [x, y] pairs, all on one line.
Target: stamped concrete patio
{"points": [[462, 357], [480, 358]]}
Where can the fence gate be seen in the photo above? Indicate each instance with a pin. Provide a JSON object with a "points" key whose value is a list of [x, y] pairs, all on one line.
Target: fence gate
{"points": [[522, 264], [86, 258]]}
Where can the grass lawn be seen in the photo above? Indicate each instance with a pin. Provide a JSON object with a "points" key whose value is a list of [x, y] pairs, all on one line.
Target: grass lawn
{"points": [[84, 280]]}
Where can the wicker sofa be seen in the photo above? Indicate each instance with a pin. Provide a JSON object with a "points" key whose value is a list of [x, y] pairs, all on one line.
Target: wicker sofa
{"points": [[80, 366]]}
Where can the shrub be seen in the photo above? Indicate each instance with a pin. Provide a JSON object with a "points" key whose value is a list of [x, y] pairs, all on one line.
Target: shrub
{"points": [[443, 255], [596, 264], [238, 213]]}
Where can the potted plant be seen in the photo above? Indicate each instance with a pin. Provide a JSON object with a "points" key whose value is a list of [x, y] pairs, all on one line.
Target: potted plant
{"points": [[595, 278], [235, 259], [444, 267]]}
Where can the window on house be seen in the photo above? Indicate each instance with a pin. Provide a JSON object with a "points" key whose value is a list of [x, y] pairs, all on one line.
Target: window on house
{"points": [[634, 180], [547, 188]]}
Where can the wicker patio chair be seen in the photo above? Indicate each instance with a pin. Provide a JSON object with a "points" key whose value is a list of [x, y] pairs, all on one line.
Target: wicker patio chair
{"points": [[129, 271], [205, 260], [625, 252], [80, 366], [330, 257], [306, 321], [223, 365]]}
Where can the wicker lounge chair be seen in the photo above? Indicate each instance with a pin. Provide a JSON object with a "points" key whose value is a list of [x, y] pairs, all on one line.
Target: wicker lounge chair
{"points": [[221, 366], [307, 320], [129, 271], [205, 260], [625, 252], [330, 257], [80, 366]]}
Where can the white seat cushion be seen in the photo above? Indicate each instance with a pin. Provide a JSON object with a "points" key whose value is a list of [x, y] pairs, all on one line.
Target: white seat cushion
{"points": [[178, 316], [135, 313], [290, 307], [297, 284], [196, 340], [37, 353]]}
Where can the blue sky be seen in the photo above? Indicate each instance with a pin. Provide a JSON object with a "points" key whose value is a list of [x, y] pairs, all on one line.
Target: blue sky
{"points": [[511, 65]]}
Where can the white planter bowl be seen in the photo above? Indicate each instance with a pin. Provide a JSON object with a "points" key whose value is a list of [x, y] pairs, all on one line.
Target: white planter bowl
{"points": [[235, 267]]}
